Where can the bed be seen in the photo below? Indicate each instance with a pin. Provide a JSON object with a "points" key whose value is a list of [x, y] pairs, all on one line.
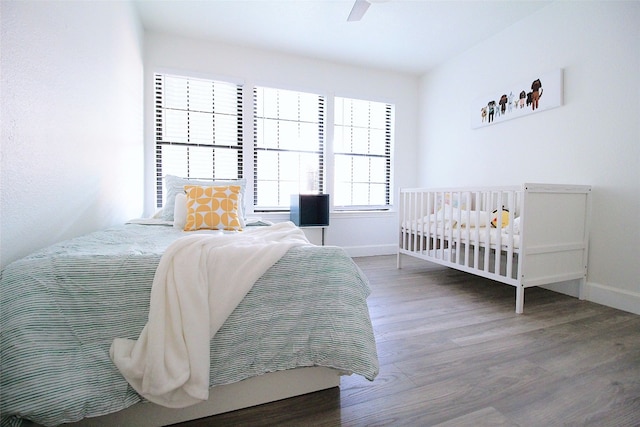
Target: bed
{"points": [[301, 325], [528, 235]]}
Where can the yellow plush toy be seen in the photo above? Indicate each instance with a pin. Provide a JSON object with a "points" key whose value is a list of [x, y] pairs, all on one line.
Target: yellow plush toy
{"points": [[505, 218]]}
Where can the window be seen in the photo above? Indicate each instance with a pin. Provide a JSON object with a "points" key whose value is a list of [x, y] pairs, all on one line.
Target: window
{"points": [[362, 154], [198, 129], [199, 135], [288, 146]]}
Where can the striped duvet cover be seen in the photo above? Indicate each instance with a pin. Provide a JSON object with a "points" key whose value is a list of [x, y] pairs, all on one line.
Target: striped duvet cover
{"points": [[61, 308]]}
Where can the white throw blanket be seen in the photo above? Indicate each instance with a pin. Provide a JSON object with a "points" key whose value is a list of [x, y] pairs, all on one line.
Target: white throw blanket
{"points": [[198, 283]]}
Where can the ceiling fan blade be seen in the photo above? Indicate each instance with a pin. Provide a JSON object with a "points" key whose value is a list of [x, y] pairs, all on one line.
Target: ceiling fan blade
{"points": [[358, 10]]}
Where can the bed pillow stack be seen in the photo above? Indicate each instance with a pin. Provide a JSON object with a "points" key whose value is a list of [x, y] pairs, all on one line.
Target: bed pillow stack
{"points": [[175, 207]]}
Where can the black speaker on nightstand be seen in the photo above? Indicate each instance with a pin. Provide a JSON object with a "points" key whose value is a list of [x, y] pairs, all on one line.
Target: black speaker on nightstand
{"points": [[310, 210]]}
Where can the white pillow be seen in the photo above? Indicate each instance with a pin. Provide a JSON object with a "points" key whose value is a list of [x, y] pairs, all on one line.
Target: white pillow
{"points": [[180, 211], [467, 218], [516, 225]]}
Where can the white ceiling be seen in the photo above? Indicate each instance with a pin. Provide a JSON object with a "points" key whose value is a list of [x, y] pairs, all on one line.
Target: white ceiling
{"points": [[404, 35]]}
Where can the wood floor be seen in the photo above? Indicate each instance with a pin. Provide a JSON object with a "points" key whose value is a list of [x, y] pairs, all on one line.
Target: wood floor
{"points": [[453, 353]]}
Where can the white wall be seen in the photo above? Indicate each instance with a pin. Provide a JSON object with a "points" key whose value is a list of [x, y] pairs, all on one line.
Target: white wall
{"points": [[365, 234], [72, 115], [594, 138]]}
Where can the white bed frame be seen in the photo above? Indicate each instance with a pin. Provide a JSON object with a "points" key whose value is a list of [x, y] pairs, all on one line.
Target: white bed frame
{"points": [[250, 392], [549, 244]]}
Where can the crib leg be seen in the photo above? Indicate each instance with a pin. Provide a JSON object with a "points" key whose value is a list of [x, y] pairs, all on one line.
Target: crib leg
{"points": [[399, 262], [519, 299]]}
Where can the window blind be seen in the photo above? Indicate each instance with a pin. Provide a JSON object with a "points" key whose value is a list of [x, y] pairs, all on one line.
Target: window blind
{"points": [[288, 146], [362, 154], [199, 131]]}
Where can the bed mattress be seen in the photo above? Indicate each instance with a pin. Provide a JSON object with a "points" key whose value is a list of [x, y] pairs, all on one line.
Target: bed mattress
{"points": [[61, 308]]}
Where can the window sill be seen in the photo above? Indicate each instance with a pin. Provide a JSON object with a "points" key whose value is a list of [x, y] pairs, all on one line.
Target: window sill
{"points": [[284, 216]]}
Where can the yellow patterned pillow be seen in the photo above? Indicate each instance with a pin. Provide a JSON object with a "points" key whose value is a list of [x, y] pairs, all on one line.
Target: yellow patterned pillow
{"points": [[213, 208]]}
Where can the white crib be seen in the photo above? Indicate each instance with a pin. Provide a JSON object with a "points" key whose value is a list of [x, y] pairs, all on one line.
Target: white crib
{"points": [[524, 236]]}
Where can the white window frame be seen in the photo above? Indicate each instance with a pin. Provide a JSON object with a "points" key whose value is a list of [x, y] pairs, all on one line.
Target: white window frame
{"points": [[363, 133], [270, 115], [185, 140]]}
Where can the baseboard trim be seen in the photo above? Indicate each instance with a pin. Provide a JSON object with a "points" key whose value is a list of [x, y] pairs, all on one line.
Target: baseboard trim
{"points": [[569, 287], [613, 297], [372, 250], [600, 294]]}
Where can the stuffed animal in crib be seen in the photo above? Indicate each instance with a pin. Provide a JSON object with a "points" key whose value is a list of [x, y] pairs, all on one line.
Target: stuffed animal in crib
{"points": [[505, 218]]}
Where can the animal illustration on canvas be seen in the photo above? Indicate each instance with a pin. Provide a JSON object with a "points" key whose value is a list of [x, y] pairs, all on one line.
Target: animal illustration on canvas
{"points": [[536, 93], [506, 105], [492, 109], [503, 103]]}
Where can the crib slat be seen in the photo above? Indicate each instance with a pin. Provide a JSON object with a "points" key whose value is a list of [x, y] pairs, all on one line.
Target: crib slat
{"points": [[512, 213], [498, 244], [487, 232], [427, 246]]}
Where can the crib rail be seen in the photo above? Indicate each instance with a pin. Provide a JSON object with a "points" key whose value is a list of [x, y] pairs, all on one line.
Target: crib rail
{"points": [[473, 230], [528, 235]]}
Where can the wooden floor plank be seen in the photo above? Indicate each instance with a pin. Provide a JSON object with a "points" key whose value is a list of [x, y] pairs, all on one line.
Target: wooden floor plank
{"points": [[453, 353], [489, 415]]}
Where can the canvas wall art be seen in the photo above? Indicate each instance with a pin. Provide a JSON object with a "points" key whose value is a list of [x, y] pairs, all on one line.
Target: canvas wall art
{"points": [[542, 92]]}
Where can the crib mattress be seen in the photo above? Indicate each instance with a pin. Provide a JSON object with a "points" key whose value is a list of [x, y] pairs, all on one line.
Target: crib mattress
{"points": [[470, 235]]}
